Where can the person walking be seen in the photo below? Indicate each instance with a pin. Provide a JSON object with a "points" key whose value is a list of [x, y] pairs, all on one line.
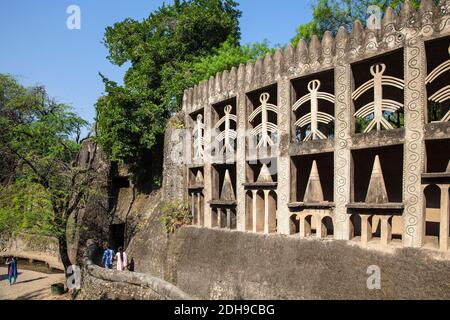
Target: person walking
{"points": [[108, 256], [12, 270], [122, 260]]}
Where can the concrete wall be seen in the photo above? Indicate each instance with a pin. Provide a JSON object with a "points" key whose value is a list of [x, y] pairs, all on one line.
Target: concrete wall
{"points": [[213, 264], [405, 44]]}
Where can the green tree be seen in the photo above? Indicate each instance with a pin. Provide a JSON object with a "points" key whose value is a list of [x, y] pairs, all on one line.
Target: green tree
{"points": [[330, 15], [47, 185], [176, 47]]}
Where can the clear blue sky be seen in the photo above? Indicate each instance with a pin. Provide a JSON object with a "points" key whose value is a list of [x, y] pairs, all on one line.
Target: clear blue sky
{"points": [[37, 47]]}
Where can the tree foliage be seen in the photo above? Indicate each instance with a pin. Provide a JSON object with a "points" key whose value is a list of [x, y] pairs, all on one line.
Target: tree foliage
{"points": [[41, 138], [330, 15], [176, 47]]}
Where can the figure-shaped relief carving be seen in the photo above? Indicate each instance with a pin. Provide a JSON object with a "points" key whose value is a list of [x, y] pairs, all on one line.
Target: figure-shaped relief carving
{"points": [[265, 127], [199, 141], [315, 116], [228, 136], [377, 107], [443, 94]]}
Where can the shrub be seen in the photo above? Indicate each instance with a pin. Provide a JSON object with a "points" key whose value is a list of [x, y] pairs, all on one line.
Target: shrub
{"points": [[175, 215]]}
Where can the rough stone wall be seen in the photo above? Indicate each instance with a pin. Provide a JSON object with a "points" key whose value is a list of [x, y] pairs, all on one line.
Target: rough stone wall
{"points": [[33, 243], [214, 264], [93, 218], [99, 283], [174, 172], [149, 243], [32, 247]]}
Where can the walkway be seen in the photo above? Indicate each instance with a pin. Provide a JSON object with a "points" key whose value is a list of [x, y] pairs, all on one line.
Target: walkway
{"points": [[30, 285]]}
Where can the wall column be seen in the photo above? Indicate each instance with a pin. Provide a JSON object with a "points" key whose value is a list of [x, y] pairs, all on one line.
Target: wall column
{"points": [[255, 212], [386, 230], [219, 218], [284, 161], [266, 211], [366, 228], [344, 127], [414, 148], [321, 228], [445, 216], [305, 226], [208, 177], [240, 163], [193, 207], [199, 211], [228, 218]]}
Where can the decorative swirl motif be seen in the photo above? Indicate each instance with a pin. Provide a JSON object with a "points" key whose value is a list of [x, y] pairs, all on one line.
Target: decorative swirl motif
{"points": [[414, 100], [240, 161], [342, 128], [283, 175]]}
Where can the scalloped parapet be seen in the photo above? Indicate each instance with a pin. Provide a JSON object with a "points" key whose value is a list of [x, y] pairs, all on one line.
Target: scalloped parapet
{"points": [[428, 21]]}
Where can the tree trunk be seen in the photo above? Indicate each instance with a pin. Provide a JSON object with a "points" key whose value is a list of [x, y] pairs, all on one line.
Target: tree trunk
{"points": [[63, 253]]}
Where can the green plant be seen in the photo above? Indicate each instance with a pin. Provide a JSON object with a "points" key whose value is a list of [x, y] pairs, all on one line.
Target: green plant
{"points": [[175, 215], [177, 123], [157, 181]]}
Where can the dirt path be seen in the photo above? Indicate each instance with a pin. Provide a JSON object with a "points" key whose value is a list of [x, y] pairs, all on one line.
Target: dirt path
{"points": [[30, 285]]}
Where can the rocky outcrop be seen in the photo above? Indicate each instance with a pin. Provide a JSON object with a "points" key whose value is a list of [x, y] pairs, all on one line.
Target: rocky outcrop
{"points": [[33, 248], [92, 220], [99, 283]]}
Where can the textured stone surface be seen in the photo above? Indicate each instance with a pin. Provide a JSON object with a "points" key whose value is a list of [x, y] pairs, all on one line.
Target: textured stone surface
{"points": [[33, 248], [93, 219], [174, 172], [99, 283], [215, 264]]}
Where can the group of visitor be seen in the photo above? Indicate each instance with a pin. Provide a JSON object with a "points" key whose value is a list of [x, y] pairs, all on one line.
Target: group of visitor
{"points": [[120, 257]]}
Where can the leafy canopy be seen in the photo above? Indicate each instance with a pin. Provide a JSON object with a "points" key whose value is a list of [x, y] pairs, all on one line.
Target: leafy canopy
{"points": [[176, 47], [38, 143], [330, 15]]}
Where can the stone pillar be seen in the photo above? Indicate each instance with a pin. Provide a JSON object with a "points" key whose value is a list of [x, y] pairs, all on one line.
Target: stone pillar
{"points": [[240, 163], [255, 210], [208, 176], [386, 230], [414, 149], [199, 211], [193, 207], [321, 231], [445, 216], [219, 218], [305, 227], [228, 218], [366, 228], [343, 130], [284, 161], [188, 139], [266, 211]]}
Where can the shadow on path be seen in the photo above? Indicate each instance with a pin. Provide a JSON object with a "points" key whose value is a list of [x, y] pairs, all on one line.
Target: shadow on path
{"points": [[31, 280], [5, 276]]}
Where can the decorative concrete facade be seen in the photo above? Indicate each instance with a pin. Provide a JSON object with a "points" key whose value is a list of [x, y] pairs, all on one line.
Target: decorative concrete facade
{"points": [[345, 138]]}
